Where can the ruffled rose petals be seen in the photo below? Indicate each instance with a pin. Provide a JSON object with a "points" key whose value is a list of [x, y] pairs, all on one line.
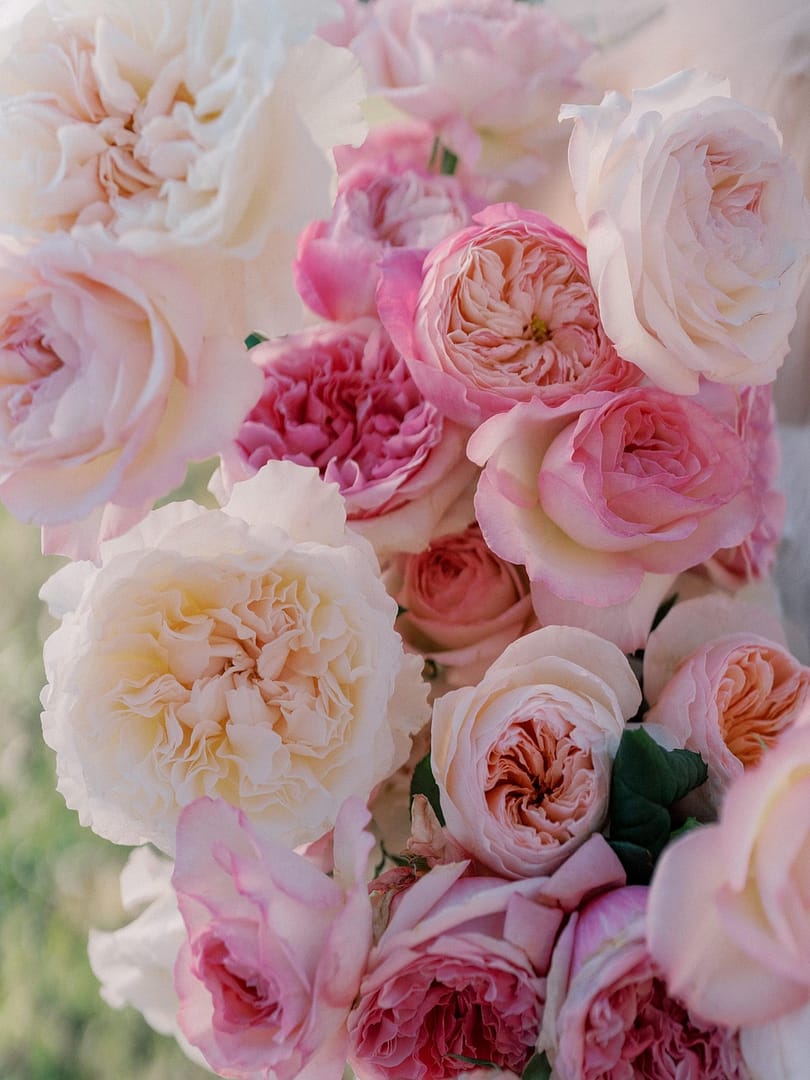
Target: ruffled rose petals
{"points": [[275, 948], [499, 313], [698, 233], [341, 398], [608, 1014], [246, 653]]}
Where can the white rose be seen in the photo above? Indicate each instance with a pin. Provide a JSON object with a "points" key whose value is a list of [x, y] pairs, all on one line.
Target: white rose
{"points": [[135, 965], [698, 233], [246, 653], [186, 123]]}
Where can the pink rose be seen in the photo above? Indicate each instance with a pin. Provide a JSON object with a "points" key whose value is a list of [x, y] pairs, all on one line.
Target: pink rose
{"points": [[463, 605], [109, 387], [275, 948], [523, 760], [488, 75], [608, 1015], [729, 910], [698, 231], [729, 701], [458, 971], [379, 207], [499, 313], [341, 398], [607, 491]]}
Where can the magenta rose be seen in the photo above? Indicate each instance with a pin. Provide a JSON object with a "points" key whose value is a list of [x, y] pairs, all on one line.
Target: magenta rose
{"points": [[608, 1015], [500, 312], [275, 948], [458, 972], [606, 497], [379, 206], [341, 398], [462, 604]]}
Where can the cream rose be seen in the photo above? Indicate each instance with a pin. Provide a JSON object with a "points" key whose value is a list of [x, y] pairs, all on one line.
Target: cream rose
{"points": [[698, 233], [523, 760], [246, 653], [183, 123]]}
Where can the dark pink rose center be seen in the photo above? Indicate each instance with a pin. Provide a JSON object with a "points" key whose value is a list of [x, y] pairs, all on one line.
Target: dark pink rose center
{"points": [[242, 996]]}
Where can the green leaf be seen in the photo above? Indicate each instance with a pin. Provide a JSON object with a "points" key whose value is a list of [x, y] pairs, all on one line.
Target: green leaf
{"points": [[423, 783], [473, 1061], [636, 860], [254, 339], [449, 162], [537, 1069], [688, 825], [646, 781]]}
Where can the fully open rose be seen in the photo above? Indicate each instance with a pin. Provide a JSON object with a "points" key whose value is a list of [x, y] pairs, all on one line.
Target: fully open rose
{"points": [[698, 233], [500, 312], [275, 948], [109, 386], [246, 653], [609, 491], [523, 760], [608, 1015]]}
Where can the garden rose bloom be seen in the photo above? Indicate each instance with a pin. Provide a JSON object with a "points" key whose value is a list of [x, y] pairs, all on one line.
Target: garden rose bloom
{"points": [[109, 386], [698, 233], [458, 970], [463, 605], [729, 914], [378, 207], [341, 398], [500, 312], [246, 653], [779, 1050], [135, 965], [275, 949], [608, 1015], [488, 75], [523, 760], [599, 494], [729, 701], [179, 124]]}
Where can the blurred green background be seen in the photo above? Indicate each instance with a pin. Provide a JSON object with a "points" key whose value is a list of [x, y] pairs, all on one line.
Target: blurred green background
{"points": [[57, 879]]}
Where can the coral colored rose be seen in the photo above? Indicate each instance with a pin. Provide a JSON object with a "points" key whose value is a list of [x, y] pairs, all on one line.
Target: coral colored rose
{"points": [[598, 494], [698, 233], [109, 386], [247, 653], [458, 971], [729, 911], [523, 760], [488, 75], [379, 207], [608, 1015], [462, 604], [174, 125], [729, 701], [341, 398], [500, 312], [275, 948]]}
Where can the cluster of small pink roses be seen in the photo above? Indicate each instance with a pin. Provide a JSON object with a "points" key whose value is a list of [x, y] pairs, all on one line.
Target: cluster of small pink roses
{"points": [[503, 446]]}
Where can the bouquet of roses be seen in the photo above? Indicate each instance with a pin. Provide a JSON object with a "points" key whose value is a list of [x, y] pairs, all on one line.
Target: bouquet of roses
{"points": [[462, 736]]}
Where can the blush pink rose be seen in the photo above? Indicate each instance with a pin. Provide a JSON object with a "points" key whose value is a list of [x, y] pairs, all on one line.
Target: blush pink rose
{"points": [[379, 207], [608, 1014], [729, 910], [341, 398], [601, 494], [488, 75], [109, 386], [275, 948], [500, 312], [523, 760], [698, 232], [462, 604], [458, 972], [729, 701]]}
